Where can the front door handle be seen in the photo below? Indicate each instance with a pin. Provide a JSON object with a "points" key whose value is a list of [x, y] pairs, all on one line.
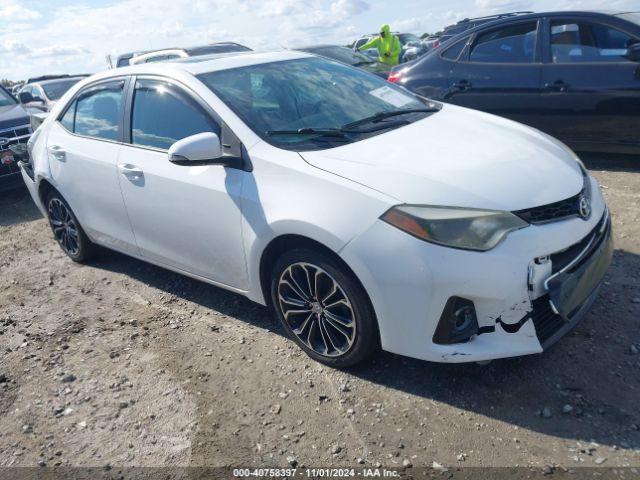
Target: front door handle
{"points": [[57, 153], [130, 171], [557, 86]]}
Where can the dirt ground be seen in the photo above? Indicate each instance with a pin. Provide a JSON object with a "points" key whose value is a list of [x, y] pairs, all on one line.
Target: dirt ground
{"points": [[121, 363]]}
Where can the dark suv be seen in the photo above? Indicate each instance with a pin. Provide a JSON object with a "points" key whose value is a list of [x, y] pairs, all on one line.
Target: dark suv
{"points": [[574, 75], [14, 129]]}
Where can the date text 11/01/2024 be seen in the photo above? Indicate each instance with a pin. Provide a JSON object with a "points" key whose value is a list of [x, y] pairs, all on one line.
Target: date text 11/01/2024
{"points": [[315, 472]]}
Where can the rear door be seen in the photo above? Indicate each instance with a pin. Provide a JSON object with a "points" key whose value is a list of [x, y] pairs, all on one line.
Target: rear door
{"points": [[500, 72], [185, 217], [83, 147], [592, 92]]}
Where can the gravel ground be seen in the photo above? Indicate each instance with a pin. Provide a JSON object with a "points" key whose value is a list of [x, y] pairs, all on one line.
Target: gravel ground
{"points": [[121, 363]]}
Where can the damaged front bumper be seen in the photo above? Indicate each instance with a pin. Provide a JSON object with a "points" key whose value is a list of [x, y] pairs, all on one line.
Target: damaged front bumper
{"points": [[527, 293]]}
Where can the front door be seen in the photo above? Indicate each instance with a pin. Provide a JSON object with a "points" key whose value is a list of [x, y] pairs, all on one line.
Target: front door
{"points": [[185, 217], [499, 73], [592, 92]]}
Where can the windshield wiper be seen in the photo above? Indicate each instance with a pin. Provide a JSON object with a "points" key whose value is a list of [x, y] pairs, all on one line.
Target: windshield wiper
{"points": [[325, 132], [377, 117]]}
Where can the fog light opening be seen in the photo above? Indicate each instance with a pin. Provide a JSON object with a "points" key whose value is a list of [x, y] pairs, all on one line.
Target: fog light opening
{"points": [[458, 322]]}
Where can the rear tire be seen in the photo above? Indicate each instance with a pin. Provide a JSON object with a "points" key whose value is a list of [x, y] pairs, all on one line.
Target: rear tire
{"points": [[67, 230], [323, 308]]}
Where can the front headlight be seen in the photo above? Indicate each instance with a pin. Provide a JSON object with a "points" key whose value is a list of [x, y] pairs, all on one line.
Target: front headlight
{"points": [[465, 228]]}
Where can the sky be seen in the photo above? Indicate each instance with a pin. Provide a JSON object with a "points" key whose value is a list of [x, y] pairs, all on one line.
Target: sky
{"points": [[74, 36]]}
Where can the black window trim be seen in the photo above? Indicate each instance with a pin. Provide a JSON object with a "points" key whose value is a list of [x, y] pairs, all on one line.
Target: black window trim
{"points": [[89, 89], [616, 24], [537, 58]]}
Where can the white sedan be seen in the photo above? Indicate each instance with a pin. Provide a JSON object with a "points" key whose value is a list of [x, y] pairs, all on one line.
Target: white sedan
{"points": [[365, 216]]}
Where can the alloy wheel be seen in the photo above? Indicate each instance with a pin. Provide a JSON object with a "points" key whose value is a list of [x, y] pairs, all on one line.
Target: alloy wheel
{"points": [[64, 227], [317, 309]]}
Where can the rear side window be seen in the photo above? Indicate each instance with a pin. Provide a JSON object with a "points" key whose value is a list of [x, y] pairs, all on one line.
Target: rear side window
{"points": [[512, 44], [454, 51], [573, 42], [163, 114], [96, 112]]}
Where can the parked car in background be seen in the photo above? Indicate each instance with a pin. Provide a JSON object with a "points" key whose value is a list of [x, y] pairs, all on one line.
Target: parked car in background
{"points": [[469, 23], [412, 46], [395, 207], [123, 60], [14, 129], [348, 56], [42, 93], [16, 88], [175, 53], [457, 28], [574, 75]]}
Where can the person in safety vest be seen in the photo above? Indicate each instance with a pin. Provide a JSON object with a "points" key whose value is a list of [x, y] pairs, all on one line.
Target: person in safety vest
{"points": [[388, 46]]}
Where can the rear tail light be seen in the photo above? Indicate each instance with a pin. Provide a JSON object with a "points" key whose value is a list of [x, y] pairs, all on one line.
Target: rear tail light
{"points": [[394, 76]]}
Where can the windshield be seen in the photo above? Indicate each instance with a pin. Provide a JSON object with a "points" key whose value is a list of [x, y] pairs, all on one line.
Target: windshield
{"points": [[309, 93], [6, 99], [55, 90], [632, 17], [343, 55]]}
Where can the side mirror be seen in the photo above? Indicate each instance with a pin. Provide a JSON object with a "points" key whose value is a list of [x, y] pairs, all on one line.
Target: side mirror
{"points": [[633, 52], [25, 97], [200, 148]]}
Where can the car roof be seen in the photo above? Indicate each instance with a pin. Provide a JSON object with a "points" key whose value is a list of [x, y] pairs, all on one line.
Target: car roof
{"points": [[505, 20], [203, 63]]}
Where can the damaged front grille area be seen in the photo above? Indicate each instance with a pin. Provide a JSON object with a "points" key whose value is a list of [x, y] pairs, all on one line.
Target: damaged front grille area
{"points": [[560, 260], [545, 320]]}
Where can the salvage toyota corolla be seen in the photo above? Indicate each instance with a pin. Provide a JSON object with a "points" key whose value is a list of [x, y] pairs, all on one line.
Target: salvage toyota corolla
{"points": [[364, 215]]}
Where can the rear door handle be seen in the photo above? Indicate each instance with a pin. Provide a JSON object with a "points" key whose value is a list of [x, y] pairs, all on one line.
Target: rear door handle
{"points": [[130, 171], [58, 153], [557, 86], [462, 85]]}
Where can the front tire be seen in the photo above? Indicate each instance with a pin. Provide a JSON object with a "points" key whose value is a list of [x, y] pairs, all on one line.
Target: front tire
{"points": [[323, 308], [67, 230]]}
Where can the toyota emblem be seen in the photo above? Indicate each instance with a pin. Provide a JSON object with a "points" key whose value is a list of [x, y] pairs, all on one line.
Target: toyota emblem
{"points": [[584, 207]]}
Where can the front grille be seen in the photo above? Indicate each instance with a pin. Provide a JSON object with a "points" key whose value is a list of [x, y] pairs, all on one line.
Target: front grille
{"points": [[560, 260], [553, 211], [546, 321], [19, 134]]}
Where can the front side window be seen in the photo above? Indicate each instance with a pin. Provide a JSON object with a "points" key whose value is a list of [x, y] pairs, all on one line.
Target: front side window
{"points": [[280, 100], [574, 42], [98, 112], [512, 44], [162, 114]]}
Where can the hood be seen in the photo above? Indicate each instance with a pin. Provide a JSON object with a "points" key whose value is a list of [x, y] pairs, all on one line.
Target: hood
{"points": [[459, 157], [13, 116], [386, 29]]}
